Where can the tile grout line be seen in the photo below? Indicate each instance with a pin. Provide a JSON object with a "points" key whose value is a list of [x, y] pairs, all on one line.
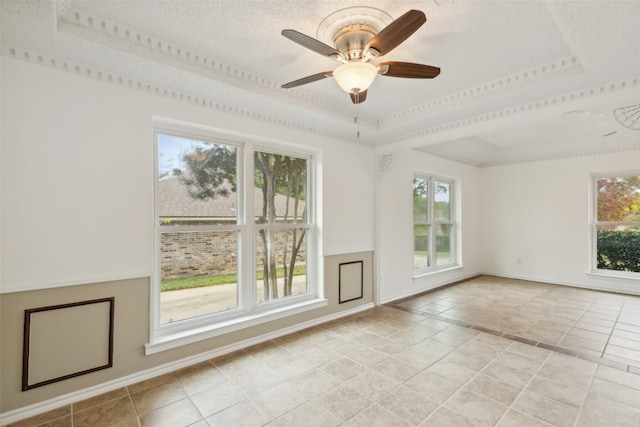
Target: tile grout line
{"points": [[523, 390], [584, 400], [576, 321], [441, 404], [612, 329], [375, 402], [426, 316], [599, 360], [480, 372]]}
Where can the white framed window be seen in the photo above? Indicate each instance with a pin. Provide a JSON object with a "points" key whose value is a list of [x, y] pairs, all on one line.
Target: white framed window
{"points": [[615, 225], [235, 235], [434, 223]]}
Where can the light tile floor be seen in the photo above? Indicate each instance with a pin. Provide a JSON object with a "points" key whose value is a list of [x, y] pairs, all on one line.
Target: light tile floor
{"points": [[488, 351]]}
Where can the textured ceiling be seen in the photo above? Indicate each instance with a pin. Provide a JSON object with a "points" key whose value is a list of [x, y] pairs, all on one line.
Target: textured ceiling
{"points": [[520, 80]]}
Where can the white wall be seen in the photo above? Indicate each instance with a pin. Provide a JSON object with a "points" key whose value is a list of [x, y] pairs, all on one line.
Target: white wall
{"points": [[77, 177], [349, 186], [539, 213], [77, 188], [395, 223]]}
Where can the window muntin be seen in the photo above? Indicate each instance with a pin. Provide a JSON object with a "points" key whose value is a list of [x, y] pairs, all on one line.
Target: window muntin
{"points": [[433, 223], [209, 220], [616, 225]]}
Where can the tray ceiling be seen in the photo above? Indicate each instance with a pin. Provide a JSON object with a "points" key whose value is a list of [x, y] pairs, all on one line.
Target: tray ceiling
{"points": [[520, 80]]}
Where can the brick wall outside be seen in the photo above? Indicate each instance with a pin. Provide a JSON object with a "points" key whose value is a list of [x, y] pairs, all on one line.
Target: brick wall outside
{"points": [[201, 253]]}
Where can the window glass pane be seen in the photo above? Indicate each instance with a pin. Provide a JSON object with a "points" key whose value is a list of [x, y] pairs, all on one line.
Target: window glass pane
{"points": [[281, 269], [280, 188], [443, 244], [442, 201], [198, 274], [420, 199], [196, 182], [619, 199], [421, 257], [618, 248]]}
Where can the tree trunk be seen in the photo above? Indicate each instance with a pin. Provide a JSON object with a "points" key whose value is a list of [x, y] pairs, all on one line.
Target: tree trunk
{"points": [[285, 251], [293, 187], [265, 267], [269, 165], [294, 255]]}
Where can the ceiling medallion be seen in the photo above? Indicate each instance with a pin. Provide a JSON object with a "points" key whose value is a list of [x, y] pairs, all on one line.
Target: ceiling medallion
{"points": [[629, 116], [366, 19]]}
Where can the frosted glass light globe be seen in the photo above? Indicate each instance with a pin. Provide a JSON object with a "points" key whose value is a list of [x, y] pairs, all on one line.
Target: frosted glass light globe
{"points": [[355, 76]]}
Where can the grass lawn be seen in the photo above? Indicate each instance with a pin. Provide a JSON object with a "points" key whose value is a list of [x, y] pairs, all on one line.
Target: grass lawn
{"points": [[216, 279]]}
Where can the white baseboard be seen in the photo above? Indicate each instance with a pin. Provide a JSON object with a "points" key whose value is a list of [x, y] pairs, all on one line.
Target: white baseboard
{"points": [[77, 396], [430, 287], [593, 287]]}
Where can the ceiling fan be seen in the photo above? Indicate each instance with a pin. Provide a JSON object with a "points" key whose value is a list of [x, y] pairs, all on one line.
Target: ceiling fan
{"points": [[355, 46]]}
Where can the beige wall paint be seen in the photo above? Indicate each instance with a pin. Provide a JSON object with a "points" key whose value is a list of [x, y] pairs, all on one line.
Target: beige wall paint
{"points": [[131, 330]]}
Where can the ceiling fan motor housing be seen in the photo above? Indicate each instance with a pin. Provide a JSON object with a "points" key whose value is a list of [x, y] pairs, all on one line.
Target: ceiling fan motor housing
{"points": [[352, 39]]}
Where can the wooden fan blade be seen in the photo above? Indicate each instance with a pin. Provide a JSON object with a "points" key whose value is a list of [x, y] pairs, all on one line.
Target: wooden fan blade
{"points": [[308, 79], [407, 70], [312, 44], [396, 32], [358, 98]]}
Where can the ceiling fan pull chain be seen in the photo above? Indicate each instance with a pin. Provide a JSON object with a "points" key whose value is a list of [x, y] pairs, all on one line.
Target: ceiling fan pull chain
{"points": [[357, 121]]}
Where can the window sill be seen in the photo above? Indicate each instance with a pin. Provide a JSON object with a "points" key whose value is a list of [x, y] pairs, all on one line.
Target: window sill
{"points": [[426, 274], [178, 339], [625, 277]]}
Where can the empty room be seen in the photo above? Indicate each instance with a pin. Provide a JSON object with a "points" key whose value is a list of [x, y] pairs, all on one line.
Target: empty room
{"points": [[319, 213]]}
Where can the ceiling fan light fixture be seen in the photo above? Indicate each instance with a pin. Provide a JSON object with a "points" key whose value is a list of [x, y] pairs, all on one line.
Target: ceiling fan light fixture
{"points": [[354, 77]]}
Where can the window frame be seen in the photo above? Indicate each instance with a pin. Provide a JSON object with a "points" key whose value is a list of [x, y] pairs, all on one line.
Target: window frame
{"points": [[308, 224], [249, 312], [594, 223], [432, 223]]}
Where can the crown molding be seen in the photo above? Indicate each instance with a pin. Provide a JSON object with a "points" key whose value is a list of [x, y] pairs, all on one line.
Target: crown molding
{"points": [[426, 150], [526, 108], [75, 21], [81, 70], [559, 156], [400, 129], [563, 67], [534, 159]]}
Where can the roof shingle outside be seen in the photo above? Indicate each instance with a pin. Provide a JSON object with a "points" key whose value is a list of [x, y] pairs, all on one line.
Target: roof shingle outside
{"points": [[174, 200]]}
